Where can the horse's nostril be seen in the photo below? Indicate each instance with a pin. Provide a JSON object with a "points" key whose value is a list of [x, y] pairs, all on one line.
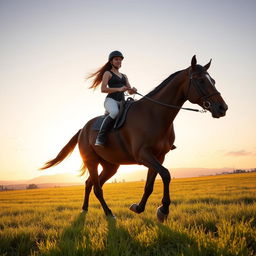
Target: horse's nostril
{"points": [[223, 108]]}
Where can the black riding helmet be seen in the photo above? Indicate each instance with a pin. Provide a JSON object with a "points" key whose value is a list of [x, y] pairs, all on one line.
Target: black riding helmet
{"points": [[115, 54]]}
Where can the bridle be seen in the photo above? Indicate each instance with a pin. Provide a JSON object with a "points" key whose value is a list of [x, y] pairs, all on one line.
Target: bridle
{"points": [[203, 96], [192, 81]]}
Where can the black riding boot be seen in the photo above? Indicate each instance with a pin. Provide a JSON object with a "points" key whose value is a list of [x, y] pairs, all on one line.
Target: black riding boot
{"points": [[105, 127]]}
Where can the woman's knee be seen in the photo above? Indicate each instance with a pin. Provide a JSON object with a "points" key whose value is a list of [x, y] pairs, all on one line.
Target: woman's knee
{"points": [[113, 114]]}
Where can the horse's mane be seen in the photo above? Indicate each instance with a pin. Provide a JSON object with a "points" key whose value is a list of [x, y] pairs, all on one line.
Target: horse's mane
{"points": [[163, 84]]}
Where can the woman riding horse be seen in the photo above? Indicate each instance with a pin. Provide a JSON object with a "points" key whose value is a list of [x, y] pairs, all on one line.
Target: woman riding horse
{"points": [[146, 137]]}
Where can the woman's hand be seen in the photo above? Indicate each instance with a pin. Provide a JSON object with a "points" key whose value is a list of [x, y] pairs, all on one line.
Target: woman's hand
{"points": [[132, 90]]}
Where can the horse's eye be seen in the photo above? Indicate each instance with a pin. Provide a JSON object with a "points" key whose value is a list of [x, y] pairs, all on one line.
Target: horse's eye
{"points": [[201, 81]]}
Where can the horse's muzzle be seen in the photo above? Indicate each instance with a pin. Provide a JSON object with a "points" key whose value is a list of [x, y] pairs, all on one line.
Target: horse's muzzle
{"points": [[219, 109]]}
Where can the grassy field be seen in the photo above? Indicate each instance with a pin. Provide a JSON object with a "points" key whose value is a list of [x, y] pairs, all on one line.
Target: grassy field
{"points": [[208, 216]]}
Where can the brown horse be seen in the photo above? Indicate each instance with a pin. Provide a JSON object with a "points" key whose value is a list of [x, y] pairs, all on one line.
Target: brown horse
{"points": [[146, 136]]}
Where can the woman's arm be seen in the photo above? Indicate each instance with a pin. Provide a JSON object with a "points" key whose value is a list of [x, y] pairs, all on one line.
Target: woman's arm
{"points": [[131, 90], [104, 86]]}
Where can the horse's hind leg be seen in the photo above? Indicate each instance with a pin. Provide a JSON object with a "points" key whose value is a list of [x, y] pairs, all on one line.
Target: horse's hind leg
{"points": [[88, 188], [93, 170], [108, 171]]}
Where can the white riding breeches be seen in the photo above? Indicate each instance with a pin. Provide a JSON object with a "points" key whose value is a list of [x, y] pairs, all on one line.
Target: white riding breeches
{"points": [[112, 107]]}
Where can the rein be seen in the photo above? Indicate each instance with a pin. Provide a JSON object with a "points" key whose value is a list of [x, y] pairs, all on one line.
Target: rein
{"points": [[171, 106]]}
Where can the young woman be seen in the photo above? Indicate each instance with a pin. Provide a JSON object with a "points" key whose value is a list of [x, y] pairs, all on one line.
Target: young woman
{"points": [[114, 84]]}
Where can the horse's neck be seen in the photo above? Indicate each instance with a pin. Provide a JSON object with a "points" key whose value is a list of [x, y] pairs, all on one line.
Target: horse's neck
{"points": [[173, 94]]}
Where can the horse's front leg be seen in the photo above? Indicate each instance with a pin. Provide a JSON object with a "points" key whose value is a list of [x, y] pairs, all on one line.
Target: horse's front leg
{"points": [[151, 176], [88, 188], [149, 160], [139, 208]]}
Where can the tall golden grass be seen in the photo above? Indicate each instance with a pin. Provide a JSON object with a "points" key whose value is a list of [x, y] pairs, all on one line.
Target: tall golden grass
{"points": [[213, 215]]}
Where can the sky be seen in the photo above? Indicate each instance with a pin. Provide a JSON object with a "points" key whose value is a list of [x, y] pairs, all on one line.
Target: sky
{"points": [[48, 48]]}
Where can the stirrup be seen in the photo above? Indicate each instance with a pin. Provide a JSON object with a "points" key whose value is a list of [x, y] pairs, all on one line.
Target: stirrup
{"points": [[100, 142], [101, 139]]}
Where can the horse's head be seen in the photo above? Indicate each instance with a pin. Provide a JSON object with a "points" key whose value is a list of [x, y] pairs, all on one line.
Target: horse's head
{"points": [[202, 90]]}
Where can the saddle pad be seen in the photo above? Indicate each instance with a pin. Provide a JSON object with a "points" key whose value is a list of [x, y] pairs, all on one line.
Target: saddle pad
{"points": [[97, 123]]}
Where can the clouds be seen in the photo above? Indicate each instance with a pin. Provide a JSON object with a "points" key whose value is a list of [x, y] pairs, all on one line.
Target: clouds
{"points": [[241, 152]]}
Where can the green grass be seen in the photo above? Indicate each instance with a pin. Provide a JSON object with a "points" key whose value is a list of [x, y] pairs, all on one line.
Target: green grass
{"points": [[208, 216]]}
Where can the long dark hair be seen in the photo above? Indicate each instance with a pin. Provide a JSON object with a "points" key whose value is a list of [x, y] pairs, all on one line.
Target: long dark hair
{"points": [[99, 74]]}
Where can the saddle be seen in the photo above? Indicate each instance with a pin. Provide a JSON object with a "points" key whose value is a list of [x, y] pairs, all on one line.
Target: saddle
{"points": [[120, 119]]}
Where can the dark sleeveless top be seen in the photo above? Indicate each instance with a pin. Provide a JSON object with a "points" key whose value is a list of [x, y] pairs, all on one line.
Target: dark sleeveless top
{"points": [[116, 82]]}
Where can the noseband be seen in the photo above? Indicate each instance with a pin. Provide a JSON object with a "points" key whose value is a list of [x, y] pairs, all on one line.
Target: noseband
{"points": [[203, 96]]}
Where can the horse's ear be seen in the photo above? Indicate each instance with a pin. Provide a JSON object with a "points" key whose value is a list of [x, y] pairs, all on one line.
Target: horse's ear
{"points": [[208, 65], [193, 62]]}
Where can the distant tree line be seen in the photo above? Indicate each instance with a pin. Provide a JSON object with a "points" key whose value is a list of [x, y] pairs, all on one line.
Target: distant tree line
{"points": [[240, 171], [5, 188], [115, 181], [243, 171], [32, 186]]}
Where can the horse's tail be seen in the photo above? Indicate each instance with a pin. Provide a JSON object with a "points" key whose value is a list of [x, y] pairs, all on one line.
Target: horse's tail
{"points": [[67, 150]]}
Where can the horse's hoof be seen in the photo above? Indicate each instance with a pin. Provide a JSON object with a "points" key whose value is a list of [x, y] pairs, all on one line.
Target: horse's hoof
{"points": [[160, 215], [84, 211], [111, 216], [133, 208]]}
